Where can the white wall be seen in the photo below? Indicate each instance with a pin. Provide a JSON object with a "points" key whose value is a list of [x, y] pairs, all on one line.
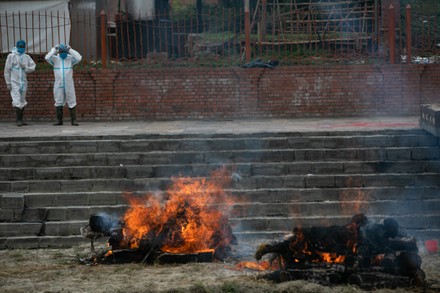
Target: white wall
{"points": [[42, 24]]}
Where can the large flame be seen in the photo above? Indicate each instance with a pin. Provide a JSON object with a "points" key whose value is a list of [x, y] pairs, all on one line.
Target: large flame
{"points": [[191, 216]]}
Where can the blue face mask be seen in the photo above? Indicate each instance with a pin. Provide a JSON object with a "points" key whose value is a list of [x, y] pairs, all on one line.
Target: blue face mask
{"points": [[63, 55], [21, 46]]}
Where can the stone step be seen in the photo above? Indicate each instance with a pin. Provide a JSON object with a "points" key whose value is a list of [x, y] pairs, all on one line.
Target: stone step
{"points": [[219, 157], [48, 228], [246, 210], [33, 242], [282, 181], [205, 143], [426, 224], [409, 222], [195, 170], [273, 235], [262, 195], [258, 237], [49, 187]]}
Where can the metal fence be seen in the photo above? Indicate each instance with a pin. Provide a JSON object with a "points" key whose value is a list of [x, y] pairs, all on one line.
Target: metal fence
{"points": [[310, 34]]}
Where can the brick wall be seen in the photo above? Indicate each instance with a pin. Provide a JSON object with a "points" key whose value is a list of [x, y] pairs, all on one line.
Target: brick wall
{"points": [[222, 93]]}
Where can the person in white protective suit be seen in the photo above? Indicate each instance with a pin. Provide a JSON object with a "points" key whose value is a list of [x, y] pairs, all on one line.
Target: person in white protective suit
{"points": [[63, 58], [18, 65]]}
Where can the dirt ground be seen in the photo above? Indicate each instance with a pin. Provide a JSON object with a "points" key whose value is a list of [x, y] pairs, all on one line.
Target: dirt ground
{"points": [[58, 270]]}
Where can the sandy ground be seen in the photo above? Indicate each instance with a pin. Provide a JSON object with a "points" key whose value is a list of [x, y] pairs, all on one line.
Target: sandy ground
{"points": [[58, 270]]}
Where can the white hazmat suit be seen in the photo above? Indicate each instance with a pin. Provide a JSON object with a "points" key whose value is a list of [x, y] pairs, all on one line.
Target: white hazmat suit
{"points": [[63, 58], [64, 88], [16, 68]]}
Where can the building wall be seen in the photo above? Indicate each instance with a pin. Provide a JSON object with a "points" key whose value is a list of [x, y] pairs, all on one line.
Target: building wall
{"points": [[224, 93]]}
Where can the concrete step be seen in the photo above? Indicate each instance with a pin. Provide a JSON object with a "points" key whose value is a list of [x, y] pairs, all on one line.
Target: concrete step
{"points": [[33, 242], [49, 187], [196, 170], [282, 181], [409, 222], [219, 157], [262, 195], [251, 209], [48, 228], [417, 222], [227, 142]]}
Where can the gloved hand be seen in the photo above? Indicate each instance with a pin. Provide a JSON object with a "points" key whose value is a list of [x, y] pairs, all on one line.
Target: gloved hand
{"points": [[57, 47], [8, 86], [68, 48], [22, 64]]}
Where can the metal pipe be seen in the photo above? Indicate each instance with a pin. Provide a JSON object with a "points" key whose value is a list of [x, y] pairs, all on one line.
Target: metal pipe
{"points": [[392, 33], [103, 41], [247, 29], [408, 34]]}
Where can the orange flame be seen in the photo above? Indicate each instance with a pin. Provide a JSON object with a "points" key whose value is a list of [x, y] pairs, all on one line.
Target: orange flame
{"points": [[332, 257], [192, 219], [255, 266]]}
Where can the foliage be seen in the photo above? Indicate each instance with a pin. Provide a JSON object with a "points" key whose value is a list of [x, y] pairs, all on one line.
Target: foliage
{"points": [[425, 24]]}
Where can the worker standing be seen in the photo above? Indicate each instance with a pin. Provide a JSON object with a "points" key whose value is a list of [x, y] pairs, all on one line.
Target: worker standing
{"points": [[18, 65], [63, 58]]}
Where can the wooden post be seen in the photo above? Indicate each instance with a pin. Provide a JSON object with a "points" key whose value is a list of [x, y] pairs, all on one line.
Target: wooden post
{"points": [[247, 29], [408, 35], [392, 33], [103, 40]]}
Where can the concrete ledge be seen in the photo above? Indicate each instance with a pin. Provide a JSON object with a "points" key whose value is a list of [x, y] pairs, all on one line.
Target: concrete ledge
{"points": [[34, 242], [430, 118]]}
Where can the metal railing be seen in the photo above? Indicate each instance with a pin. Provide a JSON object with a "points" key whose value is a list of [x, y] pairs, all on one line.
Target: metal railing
{"points": [[217, 38]]}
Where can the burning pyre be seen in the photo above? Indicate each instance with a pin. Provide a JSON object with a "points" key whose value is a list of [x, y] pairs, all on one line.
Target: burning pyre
{"points": [[366, 254], [189, 222]]}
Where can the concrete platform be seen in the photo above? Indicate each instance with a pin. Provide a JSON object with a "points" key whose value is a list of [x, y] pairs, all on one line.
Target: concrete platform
{"points": [[45, 129]]}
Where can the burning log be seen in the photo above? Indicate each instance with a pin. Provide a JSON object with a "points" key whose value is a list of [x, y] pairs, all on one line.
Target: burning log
{"points": [[182, 258], [316, 244], [351, 254]]}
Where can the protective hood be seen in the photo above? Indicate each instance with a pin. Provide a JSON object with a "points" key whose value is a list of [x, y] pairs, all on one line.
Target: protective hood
{"points": [[21, 46], [63, 51]]}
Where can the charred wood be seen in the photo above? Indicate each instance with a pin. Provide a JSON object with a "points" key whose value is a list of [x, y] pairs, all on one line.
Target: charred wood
{"points": [[183, 258]]}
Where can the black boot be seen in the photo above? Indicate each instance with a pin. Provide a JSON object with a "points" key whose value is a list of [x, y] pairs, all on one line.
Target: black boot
{"points": [[19, 115], [59, 111], [73, 116]]}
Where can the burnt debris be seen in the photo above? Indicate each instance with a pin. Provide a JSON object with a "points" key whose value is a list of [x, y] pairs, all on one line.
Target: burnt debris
{"points": [[361, 253]]}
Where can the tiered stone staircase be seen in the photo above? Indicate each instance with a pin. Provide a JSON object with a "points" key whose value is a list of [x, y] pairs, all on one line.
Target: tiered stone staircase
{"points": [[49, 187]]}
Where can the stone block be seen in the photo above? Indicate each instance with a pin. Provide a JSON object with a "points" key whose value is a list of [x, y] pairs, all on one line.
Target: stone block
{"points": [[38, 200], [22, 242], [83, 147], [19, 229], [50, 173], [7, 215], [12, 201], [396, 154], [44, 186], [326, 168], [268, 169], [425, 153], [430, 118], [34, 214], [139, 171], [104, 198], [64, 228], [61, 241], [320, 181]]}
